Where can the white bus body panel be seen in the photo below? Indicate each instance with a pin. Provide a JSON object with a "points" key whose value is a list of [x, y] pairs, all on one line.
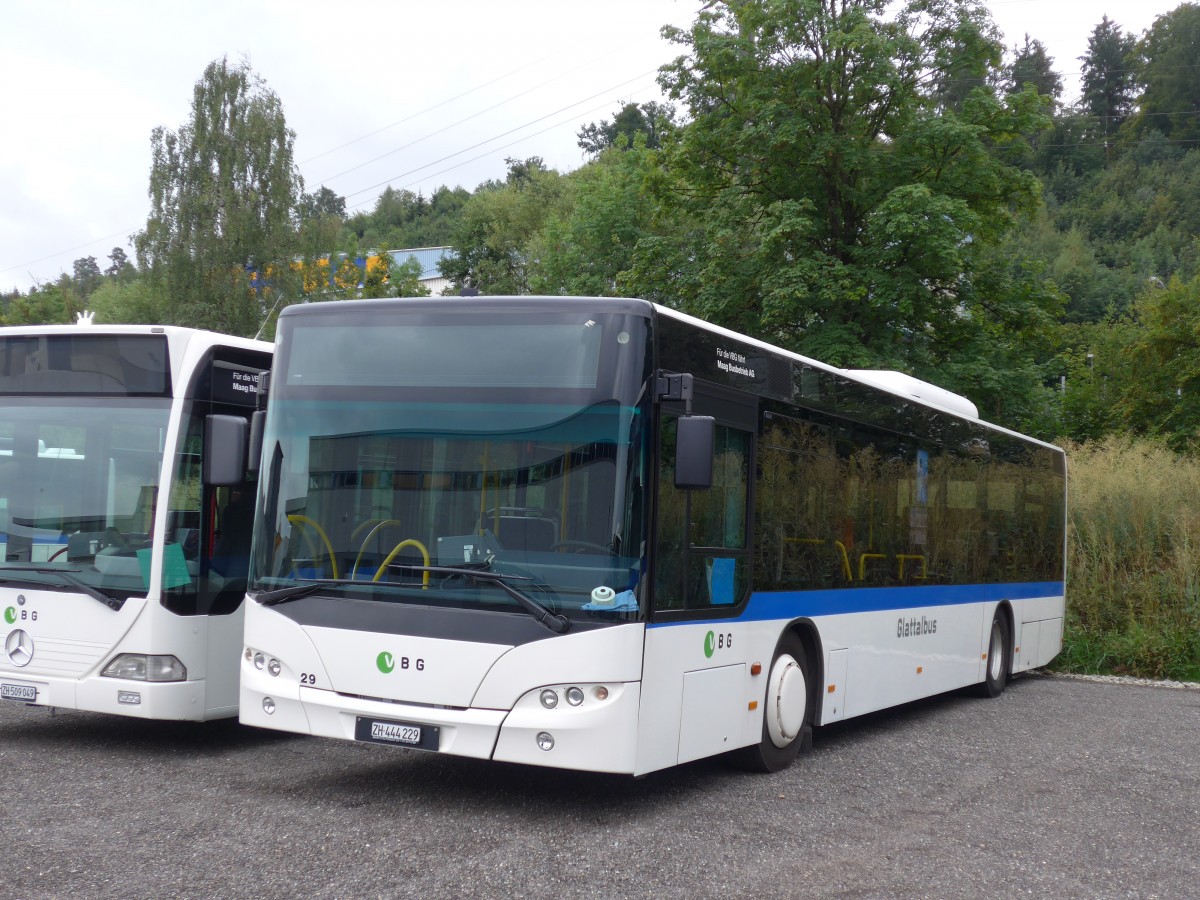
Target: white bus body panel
{"points": [[74, 637], [868, 661], [483, 698]]}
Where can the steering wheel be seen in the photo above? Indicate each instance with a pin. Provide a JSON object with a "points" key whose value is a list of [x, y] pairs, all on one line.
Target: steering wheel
{"points": [[57, 554], [580, 546]]}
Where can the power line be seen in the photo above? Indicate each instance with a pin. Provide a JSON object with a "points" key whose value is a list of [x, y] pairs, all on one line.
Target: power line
{"points": [[427, 109], [482, 155], [462, 121], [502, 134]]}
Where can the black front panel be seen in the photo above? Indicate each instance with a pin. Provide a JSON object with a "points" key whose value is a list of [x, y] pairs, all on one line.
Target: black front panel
{"points": [[449, 623]]}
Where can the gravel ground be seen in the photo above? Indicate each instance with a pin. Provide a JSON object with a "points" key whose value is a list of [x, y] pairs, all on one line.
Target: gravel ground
{"points": [[1062, 787]]}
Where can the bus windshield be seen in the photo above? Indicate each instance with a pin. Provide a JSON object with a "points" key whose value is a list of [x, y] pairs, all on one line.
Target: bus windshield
{"points": [[392, 475], [78, 485]]}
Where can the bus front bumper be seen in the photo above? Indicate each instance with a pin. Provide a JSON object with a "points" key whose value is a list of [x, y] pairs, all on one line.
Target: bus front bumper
{"points": [[180, 700], [595, 735]]}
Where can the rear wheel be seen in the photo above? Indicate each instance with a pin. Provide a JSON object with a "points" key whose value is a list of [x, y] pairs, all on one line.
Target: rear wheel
{"points": [[999, 656], [788, 712]]}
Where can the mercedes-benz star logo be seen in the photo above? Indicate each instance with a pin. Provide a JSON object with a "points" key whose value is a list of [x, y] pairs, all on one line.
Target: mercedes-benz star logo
{"points": [[19, 647]]}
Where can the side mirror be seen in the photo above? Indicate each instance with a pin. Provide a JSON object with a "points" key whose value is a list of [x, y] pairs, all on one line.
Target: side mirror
{"points": [[694, 452], [224, 450], [258, 423]]}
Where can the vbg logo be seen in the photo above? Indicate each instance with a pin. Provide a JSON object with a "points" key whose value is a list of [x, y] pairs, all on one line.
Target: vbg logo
{"points": [[10, 615], [714, 642], [386, 663]]}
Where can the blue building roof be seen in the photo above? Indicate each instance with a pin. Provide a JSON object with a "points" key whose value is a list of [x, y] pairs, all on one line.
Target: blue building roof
{"points": [[428, 257]]}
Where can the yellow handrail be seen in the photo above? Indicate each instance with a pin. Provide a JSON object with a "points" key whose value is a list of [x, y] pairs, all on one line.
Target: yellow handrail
{"points": [[846, 570], [297, 519], [817, 542], [380, 523], [411, 542], [915, 557]]}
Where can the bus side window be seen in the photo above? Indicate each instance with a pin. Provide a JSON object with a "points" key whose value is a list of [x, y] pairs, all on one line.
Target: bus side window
{"points": [[702, 558]]}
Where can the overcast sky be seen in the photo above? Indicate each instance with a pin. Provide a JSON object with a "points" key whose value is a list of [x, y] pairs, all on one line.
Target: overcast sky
{"points": [[412, 95]]}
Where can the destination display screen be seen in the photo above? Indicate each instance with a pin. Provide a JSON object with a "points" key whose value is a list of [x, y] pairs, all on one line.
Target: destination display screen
{"points": [[85, 364]]}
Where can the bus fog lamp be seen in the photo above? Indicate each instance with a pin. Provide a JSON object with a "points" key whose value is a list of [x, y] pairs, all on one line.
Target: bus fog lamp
{"points": [[549, 700], [274, 667], [260, 661], [574, 696], [545, 740], [268, 706], [146, 667]]}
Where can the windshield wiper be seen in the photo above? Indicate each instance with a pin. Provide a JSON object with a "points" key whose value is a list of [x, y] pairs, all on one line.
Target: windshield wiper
{"points": [[66, 579], [556, 623], [296, 591]]}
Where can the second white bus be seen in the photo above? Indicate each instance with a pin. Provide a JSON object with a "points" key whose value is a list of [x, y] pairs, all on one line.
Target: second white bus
{"points": [[125, 513]]}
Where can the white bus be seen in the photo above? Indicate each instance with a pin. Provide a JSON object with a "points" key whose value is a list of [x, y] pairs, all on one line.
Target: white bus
{"points": [[601, 535], [125, 515]]}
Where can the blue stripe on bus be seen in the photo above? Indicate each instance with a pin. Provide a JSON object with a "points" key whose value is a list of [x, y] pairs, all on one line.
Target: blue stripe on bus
{"points": [[767, 605]]}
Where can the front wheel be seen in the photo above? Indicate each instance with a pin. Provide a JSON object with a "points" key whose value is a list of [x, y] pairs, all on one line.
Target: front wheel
{"points": [[788, 712], [999, 655]]}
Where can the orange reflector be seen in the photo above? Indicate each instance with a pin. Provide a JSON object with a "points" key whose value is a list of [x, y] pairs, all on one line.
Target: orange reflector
{"points": [[1016, 649], [754, 704], [983, 656], [833, 688], [756, 669], [920, 669]]}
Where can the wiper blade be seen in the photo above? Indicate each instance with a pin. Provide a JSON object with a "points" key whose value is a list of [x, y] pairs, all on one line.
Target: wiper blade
{"points": [[296, 591], [556, 623], [66, 579], [310, 586]]}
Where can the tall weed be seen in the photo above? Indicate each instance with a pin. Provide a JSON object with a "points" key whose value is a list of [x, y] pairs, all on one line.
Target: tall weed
{"points": [[1133, 576]]}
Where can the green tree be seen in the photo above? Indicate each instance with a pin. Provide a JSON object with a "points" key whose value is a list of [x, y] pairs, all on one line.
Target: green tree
{"points": [[1109, 92], [1170, 76], [834, 202], [224, 192], [650, 120], [1031, 64], [322, 203], [1163, 395], [132, 301], [497, 225], [45, 304], [87, 276], [119, 265], [587, 249], [405, 279]]}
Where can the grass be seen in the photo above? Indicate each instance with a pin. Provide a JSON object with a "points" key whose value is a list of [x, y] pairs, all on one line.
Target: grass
{"points": [[1133, 568]]}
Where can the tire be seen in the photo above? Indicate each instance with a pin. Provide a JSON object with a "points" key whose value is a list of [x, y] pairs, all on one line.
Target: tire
{"points": [[787, 712], [999, 658]]}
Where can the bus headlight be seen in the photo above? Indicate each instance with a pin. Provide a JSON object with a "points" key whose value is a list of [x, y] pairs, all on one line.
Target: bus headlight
{"points": [[549, 698], [263, 662], [146, 667], [574, 696]]}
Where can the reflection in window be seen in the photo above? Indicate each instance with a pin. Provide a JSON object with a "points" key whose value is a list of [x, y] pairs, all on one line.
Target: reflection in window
{"points": [[702, 534]]}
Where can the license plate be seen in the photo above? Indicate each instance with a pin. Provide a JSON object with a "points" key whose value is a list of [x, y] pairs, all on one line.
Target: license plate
{"points": [[396, 734], [26, 693]]}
